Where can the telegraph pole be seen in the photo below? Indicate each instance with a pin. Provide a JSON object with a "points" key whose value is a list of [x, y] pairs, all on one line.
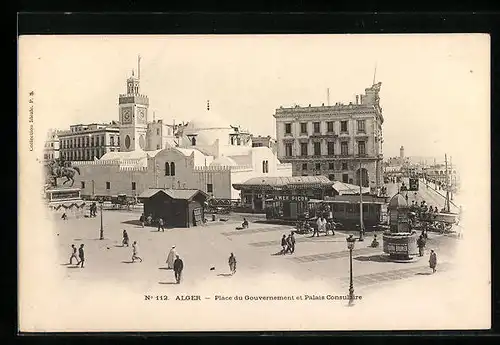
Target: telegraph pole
{"points": [[451, 178], [447, 184], [361, 224]]}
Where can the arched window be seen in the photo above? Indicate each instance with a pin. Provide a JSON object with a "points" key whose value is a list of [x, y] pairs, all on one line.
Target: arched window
{"points": [[267, 166], [167, 169], [172, 169], [264, 167], [193, 141]]}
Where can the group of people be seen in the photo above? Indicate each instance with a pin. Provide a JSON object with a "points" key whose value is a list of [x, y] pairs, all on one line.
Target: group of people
{"points": [[93, 210], [135, 247], [175, 263], [81, 255], [323, 225], [149, 221], [288, 244]]}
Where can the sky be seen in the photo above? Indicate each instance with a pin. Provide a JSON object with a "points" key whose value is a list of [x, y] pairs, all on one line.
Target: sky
{"points": [[435, 88]]}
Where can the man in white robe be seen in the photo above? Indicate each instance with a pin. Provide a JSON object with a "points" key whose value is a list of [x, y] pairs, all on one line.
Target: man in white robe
{"points": [[171, 258]]}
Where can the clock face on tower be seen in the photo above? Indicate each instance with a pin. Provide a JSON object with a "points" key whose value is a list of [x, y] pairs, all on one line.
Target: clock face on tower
{"points": [[126, 115]]}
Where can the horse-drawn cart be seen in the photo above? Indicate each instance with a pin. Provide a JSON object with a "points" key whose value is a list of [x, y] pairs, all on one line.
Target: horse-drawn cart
{"points": [[442, 222], [122, 201]]}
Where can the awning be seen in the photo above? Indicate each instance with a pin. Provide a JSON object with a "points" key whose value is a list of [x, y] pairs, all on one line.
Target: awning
{"points": [[346, 188]]}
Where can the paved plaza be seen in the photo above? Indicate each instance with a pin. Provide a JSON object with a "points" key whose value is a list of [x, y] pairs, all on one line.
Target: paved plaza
{"points": [[205, 251]]}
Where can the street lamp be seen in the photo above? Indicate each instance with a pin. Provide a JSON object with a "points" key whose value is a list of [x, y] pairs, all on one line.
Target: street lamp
{"points": [[101, 231], [350, 245]]}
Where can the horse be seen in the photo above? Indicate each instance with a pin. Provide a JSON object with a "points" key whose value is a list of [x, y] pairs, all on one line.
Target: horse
{"points": [[67, 172]]}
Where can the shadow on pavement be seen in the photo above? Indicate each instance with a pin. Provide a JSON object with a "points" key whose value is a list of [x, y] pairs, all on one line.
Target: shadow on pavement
{"points": [[119, 246], [165, 268], [133, 222], [128, 262], [423, 274], [373, 258], [77, 239], [224, 275], [73, 266], [168, 283], [66, 264]]}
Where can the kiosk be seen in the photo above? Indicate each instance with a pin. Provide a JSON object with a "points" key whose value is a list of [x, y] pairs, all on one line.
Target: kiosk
{"points": [[400, 242]]}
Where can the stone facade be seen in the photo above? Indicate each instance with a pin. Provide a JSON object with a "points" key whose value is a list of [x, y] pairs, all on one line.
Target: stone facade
{"points": [[88, 142], [107, 178], [334, 140], [52, 146]]}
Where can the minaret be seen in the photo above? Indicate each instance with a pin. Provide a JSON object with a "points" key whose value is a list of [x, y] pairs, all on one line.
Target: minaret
{"points": [[402, 153], [133, 114]]}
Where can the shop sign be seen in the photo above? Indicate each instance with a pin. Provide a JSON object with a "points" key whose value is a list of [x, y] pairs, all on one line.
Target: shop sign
{"points": [[291, 198]]}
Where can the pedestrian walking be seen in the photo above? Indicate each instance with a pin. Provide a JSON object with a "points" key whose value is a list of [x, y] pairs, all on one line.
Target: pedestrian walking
{"points": [[135, 252], [64, 216], [317, 228], [421, 245], [73, 255], [171, 257], [160, 224], [81, 255], [292, 243], [323, 224], [288, 245], [178, 267], [142, 219], [433, 261], [232, 263], [283, 244], [125, 239]]}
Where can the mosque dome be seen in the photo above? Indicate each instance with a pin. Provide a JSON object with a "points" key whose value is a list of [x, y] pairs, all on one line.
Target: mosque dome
{"points": [[224, 161], [208, 119]]}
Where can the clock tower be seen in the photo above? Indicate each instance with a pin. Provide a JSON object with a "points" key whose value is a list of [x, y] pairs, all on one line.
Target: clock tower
{"points": [[133, 114]]}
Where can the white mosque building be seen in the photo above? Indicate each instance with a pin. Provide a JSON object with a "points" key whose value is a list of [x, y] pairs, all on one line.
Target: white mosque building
{"points": [[206, 154]]}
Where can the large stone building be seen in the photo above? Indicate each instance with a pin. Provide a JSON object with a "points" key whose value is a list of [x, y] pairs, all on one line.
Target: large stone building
{"points": [[51, 148], [89, 142], [342, 142], [205, 153]]}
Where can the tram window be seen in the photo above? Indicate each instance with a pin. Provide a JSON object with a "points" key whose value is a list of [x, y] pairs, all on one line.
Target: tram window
{"points": [[340, 208], [350, 209], [365, 208]]}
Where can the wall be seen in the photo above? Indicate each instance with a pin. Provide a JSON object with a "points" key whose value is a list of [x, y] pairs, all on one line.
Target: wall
{"points": [[120, 179]]}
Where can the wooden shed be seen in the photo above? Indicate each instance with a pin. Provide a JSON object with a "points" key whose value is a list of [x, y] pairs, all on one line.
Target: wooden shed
{"points": [[182, 208]]}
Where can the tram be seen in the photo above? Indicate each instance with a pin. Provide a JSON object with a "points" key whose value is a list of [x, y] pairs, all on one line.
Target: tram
{"points": [[345, 210], [414, 183]]}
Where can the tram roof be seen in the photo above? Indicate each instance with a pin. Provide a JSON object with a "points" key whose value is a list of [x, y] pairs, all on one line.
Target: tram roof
{"points": [[277, 182]]}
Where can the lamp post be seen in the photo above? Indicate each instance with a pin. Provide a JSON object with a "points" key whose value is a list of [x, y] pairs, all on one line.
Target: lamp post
{"points": [[101, 231], [350, 245]]}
